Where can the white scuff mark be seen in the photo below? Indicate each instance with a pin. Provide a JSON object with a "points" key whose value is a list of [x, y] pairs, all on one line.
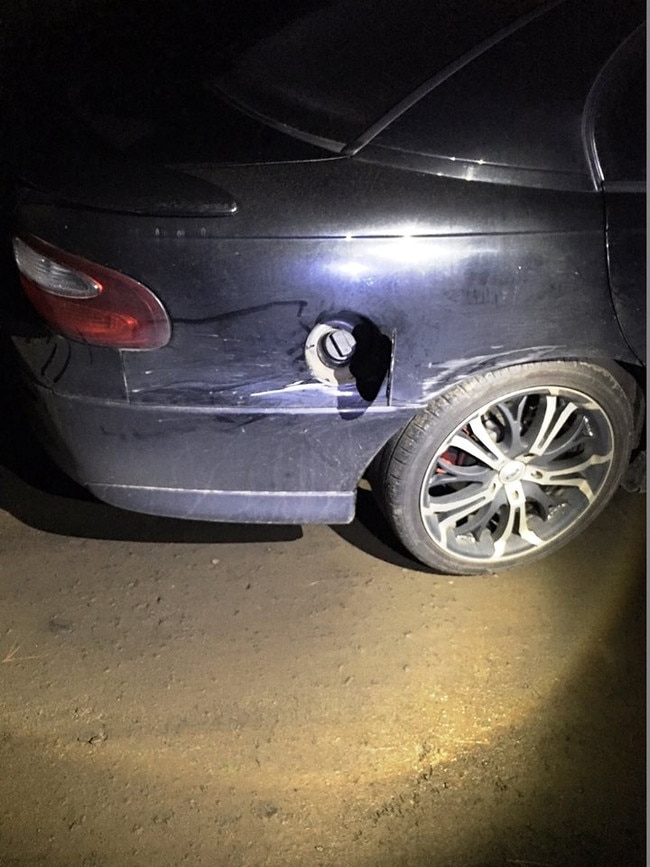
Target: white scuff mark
{"points": [[467, 366], [301, 385]]}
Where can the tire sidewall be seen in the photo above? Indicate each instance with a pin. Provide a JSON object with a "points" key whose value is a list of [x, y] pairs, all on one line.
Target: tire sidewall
{"points": [[425, 435]]}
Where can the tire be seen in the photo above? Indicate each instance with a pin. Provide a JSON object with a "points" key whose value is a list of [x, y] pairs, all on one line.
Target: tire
{"points": [[507, 466]]}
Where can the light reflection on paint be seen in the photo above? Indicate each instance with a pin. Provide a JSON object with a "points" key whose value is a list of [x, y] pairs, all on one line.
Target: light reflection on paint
{"points": [[368, 258], [355, 270]]}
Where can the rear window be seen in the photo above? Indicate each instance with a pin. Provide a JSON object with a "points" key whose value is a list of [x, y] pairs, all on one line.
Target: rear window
{"points": [[335, 70]]}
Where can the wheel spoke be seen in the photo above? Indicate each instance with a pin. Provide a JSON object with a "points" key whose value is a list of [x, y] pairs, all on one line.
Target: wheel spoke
{"points": [[567, 475], [460, 473], [484, 436], [543, 421], [478, 523], [550, 424], [568, 441], [501, 542], [459, 505], [542, 500], [491, 456], [525, 531], [517, 521], [514, 423]]}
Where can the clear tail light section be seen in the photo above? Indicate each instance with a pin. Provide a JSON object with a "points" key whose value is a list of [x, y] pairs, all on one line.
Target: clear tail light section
{"points": [[88, 302]]}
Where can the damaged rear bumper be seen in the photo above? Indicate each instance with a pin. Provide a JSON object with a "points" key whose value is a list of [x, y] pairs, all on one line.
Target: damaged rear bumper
{"points": [[236, 464]]}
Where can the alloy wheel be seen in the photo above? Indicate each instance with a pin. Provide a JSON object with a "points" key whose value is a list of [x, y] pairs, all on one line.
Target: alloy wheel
{"points": [[517, 474]]}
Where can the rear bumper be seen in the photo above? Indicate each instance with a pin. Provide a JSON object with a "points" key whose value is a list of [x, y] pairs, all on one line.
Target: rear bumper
{"points": [[258, 507], [239, 464]]}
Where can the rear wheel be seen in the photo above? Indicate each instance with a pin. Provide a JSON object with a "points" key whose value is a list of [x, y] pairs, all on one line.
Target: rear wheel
{"points": [[507, 466]]}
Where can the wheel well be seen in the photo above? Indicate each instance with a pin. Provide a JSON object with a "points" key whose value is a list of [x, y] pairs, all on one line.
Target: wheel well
{"points": [[631, 377]]}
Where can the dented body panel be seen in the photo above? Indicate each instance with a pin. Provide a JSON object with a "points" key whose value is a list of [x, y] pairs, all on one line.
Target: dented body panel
{"points": [[452, 269], [446, 275]]}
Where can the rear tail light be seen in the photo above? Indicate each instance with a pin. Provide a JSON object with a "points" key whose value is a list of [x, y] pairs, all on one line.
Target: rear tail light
{"points": [[88, 302]]}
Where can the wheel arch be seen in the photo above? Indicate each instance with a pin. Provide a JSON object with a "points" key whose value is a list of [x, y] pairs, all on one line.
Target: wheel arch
{"points": [[630, 376]]}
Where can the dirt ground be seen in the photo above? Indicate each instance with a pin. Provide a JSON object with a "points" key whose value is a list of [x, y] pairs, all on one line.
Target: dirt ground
{"points": [[190, 694], [183, 693]]}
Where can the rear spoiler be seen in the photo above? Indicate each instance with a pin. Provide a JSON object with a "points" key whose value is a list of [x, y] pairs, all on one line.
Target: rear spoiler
{"points": [[66, 161]]}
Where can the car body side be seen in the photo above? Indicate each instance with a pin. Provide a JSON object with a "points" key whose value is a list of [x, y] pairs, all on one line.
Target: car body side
{"points": [[462, 265]]}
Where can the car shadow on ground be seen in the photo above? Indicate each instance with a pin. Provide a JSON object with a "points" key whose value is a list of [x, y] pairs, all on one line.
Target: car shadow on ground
{"points": [[371, 533]]}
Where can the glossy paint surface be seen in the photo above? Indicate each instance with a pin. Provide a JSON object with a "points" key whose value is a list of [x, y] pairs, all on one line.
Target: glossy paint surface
{"points": [[456, 265]]}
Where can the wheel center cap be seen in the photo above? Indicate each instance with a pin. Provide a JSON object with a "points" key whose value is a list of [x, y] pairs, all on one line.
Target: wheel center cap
{"points": [[512, 471]]}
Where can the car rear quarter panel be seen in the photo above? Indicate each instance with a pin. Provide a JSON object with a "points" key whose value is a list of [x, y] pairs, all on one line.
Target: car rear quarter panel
{"points": [[226, 422], [459, 275]]}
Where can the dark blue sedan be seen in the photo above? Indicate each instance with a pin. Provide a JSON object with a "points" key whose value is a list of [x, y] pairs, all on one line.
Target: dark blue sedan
{"points": [[365, 238]]}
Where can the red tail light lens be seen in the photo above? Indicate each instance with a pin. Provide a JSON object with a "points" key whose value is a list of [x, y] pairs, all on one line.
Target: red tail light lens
{"points": [[88, 302]]}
